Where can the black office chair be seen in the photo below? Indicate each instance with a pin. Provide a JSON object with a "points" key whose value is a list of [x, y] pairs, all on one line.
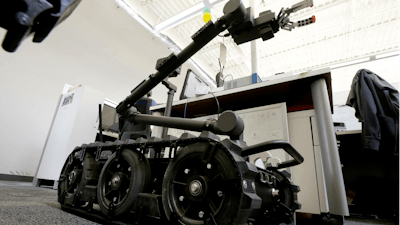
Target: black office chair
{"points": [[134, 131], [372, 168], [377, 106]]}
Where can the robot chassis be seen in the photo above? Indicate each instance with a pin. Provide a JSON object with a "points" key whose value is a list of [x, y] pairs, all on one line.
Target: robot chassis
{"points": [[203, 180]]}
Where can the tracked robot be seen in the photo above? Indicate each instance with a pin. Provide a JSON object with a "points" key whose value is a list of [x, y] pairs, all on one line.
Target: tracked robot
{"points": [[202, 180]]}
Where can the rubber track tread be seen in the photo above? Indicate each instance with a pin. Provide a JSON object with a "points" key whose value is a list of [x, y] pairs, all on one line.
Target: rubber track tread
{"points": [[139, 143]]}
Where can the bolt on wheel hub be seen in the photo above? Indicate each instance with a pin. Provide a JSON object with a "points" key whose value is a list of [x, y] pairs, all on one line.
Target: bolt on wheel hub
{"points": [[195, 187], [72, 175], [115, 181]]}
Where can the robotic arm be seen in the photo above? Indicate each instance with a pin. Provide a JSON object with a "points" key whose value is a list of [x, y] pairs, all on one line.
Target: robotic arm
{"points": [[242, 26], [267, 24], [283, 17]]}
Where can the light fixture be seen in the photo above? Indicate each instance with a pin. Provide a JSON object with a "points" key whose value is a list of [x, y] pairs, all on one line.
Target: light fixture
{"points": [[386, 55], [349, 63]]}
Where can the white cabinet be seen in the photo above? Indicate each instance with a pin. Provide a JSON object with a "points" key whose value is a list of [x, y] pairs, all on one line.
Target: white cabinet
{"points": [[75, 123], [308, 175]]}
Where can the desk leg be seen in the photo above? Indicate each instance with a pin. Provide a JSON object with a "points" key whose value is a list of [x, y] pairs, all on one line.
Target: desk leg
{"points": [[330, 155]]}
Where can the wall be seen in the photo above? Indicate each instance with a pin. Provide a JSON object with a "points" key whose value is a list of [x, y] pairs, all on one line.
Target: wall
{"points": [[340, 97], [98, 45]]}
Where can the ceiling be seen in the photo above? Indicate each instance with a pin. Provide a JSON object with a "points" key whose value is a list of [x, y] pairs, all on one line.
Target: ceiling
{"points": [[345, 31]]}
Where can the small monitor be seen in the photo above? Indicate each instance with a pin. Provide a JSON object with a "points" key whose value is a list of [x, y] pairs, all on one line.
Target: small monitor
{"points": [[109, 118], [191, 82]]}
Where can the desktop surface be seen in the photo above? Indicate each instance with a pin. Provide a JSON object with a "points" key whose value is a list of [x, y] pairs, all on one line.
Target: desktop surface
{"points": [[294, 90]]}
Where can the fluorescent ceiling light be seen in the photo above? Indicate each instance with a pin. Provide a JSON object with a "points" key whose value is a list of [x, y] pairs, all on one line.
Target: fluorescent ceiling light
{"points": [[349, 63], [390, 54], [183, 16]]}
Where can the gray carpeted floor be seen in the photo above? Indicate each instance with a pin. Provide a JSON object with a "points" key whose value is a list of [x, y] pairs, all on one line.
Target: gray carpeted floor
{"points": [[21, 203], [355, 221]]}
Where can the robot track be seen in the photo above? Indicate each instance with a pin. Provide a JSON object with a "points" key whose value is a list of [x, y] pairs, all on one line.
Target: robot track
{"points": [[202, 180]]}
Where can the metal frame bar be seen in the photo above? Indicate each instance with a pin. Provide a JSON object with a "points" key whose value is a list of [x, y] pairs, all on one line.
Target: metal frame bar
{"points": [[329, 151]]}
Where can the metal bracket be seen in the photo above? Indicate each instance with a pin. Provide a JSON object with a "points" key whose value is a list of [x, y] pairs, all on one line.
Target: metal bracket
{"points": [[82, 156], [266, 178], [142, 149], [209, 153], [286, 210], [157, 151], [74, 199], [98, 153], [70, 159], [172, 148], [118, 153], [90, 205], [110, 210]]}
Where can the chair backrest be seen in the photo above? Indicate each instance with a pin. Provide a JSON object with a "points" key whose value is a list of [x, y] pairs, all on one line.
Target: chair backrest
{"points": [[388, 118], [134, 131], [377, 106]]}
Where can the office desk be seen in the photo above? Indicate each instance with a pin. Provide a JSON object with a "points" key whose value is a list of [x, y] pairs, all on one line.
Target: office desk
{"points": [[309, 103]]}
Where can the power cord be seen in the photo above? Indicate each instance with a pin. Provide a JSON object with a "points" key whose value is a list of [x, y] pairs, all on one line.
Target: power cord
{"points": [[184, 112], [216, 99], [221, 69], [228, 76]]}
